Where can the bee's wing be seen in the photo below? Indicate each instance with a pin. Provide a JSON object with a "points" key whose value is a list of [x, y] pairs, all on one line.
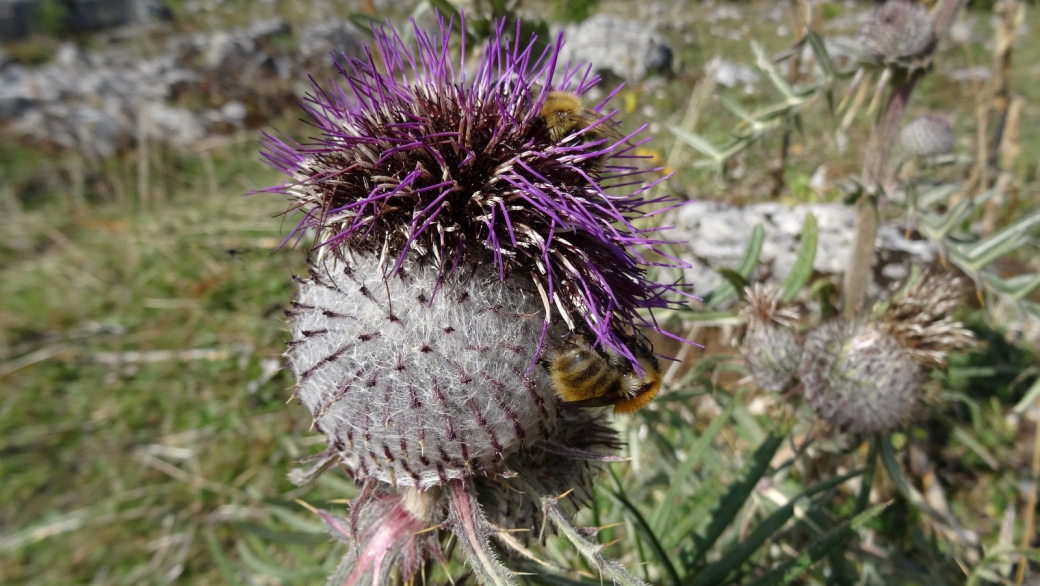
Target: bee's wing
{"points": [[603, 125]]}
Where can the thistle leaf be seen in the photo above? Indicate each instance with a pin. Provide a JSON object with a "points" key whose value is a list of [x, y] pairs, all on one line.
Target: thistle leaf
{"points": [[790, 571], [693, 456], [732, 501], [696, 142], [644, 529], [735, 557], [1017, 287], [972, 257], [802, 269], [746, 265]]}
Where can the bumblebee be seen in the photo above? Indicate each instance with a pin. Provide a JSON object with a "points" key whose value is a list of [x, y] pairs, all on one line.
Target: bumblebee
{"points": [[564, 112], [586, 377]]}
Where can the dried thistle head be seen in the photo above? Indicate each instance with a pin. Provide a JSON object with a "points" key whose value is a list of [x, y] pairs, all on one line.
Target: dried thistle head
{"points": [[927, 136], [922, 319], [859, 378], [770, 345], [457, 241], [897, 32]]}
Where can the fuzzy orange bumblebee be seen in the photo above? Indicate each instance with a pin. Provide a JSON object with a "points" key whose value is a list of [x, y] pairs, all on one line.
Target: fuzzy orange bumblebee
{"points": [[585, 377], [564, 112]]}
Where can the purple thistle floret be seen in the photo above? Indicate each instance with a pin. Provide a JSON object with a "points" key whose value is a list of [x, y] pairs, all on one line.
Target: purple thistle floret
{"points": [[456, 166]]}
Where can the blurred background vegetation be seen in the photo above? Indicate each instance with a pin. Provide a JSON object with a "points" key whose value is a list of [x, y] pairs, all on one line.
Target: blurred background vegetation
{"points": [[144, 435]]}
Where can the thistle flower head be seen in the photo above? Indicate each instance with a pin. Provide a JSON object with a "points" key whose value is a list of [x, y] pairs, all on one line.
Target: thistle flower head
{"points": [[457, 240], [927, 135], [859, 378], [868, 377], [770, 346], [458, 169], [897, 31]]}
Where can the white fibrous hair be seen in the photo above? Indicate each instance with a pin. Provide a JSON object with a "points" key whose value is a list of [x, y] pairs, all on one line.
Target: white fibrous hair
{"points": [[417, 382], [860, 379], [897, 30]]}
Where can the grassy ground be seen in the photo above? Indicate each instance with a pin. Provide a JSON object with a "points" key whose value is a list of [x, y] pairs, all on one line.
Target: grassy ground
{"points": [[144, 434]]}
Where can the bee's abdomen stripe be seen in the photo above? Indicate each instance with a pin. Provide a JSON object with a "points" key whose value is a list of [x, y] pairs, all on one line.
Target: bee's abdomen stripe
{"points": [[604, 383]]}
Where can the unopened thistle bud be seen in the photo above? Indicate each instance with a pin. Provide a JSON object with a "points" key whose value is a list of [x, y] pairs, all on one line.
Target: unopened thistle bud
{"points": [[858, 378], [770, 346], [868, 377], [458, 240], [927, 136], [897, 31]]}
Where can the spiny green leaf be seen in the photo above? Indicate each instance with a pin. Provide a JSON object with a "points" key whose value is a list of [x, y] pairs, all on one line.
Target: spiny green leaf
{"points": [[965, 437], [736, 556], [296, 521], [937, 195], [696, 142], [739, 111], [822, 291], [863, 498], [939, 227], [644, 529], [735, 279], [765, 63], [803, 263], [1029, 399], [973, 257], [744, 267], [915, 498], [790, 571], [732, 501], [693, 456], [1017, 287], [822, 56]]}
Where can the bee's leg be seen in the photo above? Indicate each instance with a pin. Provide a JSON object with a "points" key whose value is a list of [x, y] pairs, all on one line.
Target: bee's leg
{"points": [[544, 363]]}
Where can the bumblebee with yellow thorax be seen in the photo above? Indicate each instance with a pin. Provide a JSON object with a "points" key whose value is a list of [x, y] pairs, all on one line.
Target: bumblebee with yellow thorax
{"points": [[586, 377], [565, 112]]}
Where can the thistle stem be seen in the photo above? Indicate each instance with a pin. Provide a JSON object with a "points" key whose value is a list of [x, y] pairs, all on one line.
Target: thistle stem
{"points": [[875, 163]]}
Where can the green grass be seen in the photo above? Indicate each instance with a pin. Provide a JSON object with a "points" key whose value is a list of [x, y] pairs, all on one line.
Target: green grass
{"points": [[104, 462]]}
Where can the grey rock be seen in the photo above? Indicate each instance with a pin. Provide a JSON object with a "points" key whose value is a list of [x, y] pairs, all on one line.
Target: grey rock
{"points": [[234, 112], [717, 233], [320, 39], [629, 49], [729, 74], [725, 12], [174, 126]]}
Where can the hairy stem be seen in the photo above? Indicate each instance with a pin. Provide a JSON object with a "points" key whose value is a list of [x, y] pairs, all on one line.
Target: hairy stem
{"points": [[468, 523]]}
